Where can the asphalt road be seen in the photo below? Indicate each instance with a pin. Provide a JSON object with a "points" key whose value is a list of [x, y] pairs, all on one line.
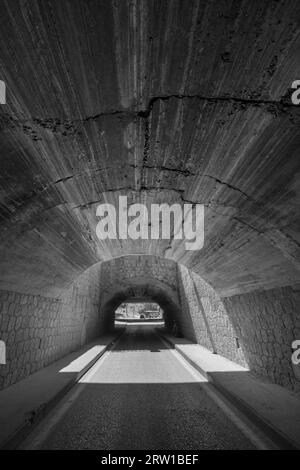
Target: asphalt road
{"points": [[140, 395]]}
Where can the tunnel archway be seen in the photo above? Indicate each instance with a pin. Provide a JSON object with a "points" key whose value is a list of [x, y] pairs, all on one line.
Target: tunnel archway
{"points": [[143, 292], [202, 316], [191, 306], [156, 134]]}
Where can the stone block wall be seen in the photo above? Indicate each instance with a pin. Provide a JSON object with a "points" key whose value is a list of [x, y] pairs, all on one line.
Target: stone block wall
{"points": [[267, 323], [254, 329], [127, 270], [143, 276], [204, 318], [30, 328], [39, 330]]}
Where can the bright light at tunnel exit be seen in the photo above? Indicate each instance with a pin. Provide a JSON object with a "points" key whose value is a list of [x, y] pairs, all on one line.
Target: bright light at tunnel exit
{"points": [[139, 311]]}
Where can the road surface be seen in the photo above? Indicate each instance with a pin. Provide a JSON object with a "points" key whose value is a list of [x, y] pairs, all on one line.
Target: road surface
{"points": [[140, 395]]}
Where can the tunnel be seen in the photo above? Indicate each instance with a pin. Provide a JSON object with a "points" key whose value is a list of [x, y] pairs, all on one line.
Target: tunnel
{"points": [[158, 102], [42, 329]]}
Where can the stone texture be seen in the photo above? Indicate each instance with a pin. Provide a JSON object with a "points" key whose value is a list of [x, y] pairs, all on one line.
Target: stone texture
{"points": [[201, 318], [39, 330], [170, 101], [138, 278], [209, 324], [254, 329], [191, 104], [267, 323]]}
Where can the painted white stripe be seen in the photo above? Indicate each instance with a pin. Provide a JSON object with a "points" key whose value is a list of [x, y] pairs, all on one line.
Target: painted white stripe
{"points": [[256, 436], [44, 429]]}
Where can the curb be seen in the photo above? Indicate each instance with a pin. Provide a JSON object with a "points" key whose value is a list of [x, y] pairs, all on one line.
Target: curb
{"points": [[271, 431], [41, 412]]}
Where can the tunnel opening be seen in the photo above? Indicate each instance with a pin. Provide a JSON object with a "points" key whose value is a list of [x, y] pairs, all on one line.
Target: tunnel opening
{"points": [[141, 311], [143, 293]]}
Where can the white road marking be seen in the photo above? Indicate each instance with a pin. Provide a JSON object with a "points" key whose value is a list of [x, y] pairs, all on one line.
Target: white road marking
{"points": [[42, 431], [256, 436]]}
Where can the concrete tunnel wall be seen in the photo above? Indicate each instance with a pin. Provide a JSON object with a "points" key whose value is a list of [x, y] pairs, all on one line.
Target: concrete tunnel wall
{"points": [[251, 329], [166, 112]]}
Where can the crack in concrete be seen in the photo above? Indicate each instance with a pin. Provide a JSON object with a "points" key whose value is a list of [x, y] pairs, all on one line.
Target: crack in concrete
{"points": [[117, 112], [271, 105], [261, 232], [134, 190], [184, 172], [180, 194], [144, 188], [65, 126], [145, 151], [230, 186]]}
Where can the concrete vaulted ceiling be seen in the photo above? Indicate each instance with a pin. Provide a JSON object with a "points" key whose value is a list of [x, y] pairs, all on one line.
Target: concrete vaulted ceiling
{"points": [[158, 101]]}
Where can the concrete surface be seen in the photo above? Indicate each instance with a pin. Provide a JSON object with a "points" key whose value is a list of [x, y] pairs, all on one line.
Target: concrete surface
{"points": [[277, 409], [26, 402], [170, 101], [138, 396]]}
